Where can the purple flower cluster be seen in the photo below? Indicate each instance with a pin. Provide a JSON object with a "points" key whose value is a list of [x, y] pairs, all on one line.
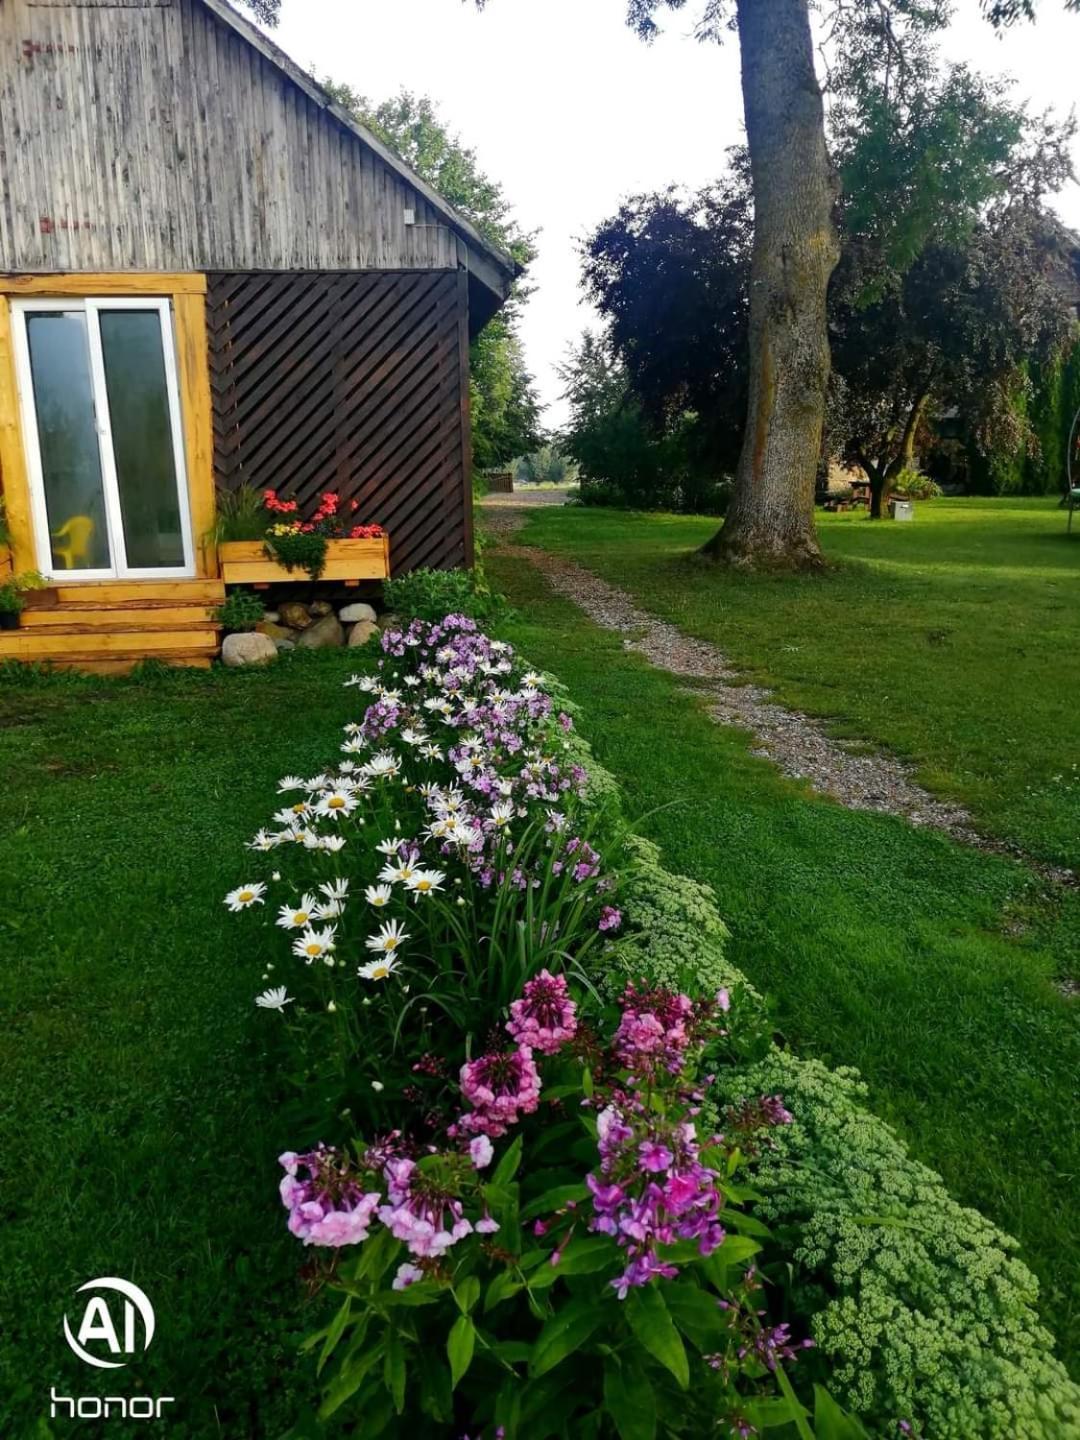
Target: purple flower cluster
{"points": [[426, 1218], [326, 1203], [545, 1017], [500, 1088], [652, 1189], [655, 1030]]}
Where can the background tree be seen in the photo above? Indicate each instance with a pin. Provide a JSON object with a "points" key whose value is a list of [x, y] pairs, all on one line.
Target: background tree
{"points": [[771, 516], [670, 274], [947, 287], [504, 406], [619, 456]]}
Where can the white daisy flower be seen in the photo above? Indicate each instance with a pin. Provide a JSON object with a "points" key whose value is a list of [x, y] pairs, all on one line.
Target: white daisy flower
{"points": [[501, 815], [263, 840], [332, 843], [431, 752], [289, 782], [413, 737], [315, 944], [378, 895], [383, 766], [336, 803], [388, 847], [378, 970], [389, 938], [365, 683], [275, 999], [245, 895], [398, 874], [298, 917], [425, 882], [335, 889]]}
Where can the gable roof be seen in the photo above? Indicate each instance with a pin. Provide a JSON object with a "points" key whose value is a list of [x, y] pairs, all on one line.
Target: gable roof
{"points": [[488, 263]]}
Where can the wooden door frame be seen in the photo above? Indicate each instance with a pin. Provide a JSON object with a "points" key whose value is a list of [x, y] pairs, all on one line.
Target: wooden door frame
{"points": [[187, 293]]}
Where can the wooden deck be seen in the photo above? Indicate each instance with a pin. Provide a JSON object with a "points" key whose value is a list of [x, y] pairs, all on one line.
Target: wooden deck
{"points": [[108, 627]]}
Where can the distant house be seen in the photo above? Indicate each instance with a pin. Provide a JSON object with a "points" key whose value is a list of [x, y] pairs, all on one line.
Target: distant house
{"points": [[210, 275]]}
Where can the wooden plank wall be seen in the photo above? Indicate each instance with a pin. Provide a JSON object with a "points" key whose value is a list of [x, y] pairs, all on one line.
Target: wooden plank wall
{"points": [[144, 136], [355, 382]]}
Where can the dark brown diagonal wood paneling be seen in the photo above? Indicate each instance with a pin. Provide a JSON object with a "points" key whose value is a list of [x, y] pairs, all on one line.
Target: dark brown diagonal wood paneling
{"points": [[354, 381]]}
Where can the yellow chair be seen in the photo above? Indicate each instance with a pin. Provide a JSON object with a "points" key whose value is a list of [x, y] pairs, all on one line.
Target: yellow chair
{"points": [[78, 532]]}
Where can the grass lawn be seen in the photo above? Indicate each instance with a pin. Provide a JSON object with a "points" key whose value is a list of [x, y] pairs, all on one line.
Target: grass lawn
{"points": [[885, 948], [954, 640], [140, 1119]]}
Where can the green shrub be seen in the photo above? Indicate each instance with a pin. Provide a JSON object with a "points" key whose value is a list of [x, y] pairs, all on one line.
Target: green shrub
{"points": [[11, 592], [240, 610], [916, 484], [919, 1305], [431, 594], [240, 515], [673, 931], [297, 550]]}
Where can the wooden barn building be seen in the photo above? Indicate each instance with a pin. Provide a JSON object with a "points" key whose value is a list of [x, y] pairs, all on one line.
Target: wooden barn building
{"points": [[210, 275]]}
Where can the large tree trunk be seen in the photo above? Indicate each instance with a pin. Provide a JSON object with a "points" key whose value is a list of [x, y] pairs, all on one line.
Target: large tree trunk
{"points": [[771, 517]]}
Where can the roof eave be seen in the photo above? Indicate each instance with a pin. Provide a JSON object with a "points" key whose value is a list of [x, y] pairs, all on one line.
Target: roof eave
{"points": [[504, 266]]}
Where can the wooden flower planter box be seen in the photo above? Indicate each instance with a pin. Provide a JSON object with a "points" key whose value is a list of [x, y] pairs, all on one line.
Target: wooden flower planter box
{"points": [[245, 562]]}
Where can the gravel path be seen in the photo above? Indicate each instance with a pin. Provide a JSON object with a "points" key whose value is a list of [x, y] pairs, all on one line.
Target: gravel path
{"points": [[796, 743]]}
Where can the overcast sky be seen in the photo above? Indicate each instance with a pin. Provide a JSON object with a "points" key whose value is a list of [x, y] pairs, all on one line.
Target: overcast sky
{"points": [[571, 112]]}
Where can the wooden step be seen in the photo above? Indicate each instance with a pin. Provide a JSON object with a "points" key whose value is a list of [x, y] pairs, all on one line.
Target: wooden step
{"points": [[124, 664], [147, 615], [103, 593], [43, 643]]}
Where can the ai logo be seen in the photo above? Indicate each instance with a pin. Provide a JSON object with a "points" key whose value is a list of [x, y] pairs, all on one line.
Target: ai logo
{"points": [[99, 1328]]}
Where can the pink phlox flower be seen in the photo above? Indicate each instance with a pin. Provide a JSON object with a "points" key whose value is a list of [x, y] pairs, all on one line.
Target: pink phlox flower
{"points": [[545, 1017]]}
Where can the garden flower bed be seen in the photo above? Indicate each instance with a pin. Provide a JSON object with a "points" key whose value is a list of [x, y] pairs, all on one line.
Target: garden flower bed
{"points": [[555, 1174]]}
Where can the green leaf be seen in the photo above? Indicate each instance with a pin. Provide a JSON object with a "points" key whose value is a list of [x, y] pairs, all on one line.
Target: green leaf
{"points": [[581, 1257], [507, 1167], [830, 1422], [771, 1413], [394, 1370], [467, 1293], [630, 1401], [799, 1412], [436, 1397], [746, 1224], [555, 1199], [334, 1333], [648, 1318], [459, 1348], [587, 1082], [348, 1381], [376, 1257], [514, 1352], [565, 1332], [503, 1287], [696, 1314]]}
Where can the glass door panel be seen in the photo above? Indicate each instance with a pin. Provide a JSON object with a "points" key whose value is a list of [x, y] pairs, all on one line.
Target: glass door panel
{"points": [[143, 446], [104, 445], [71, 474]]}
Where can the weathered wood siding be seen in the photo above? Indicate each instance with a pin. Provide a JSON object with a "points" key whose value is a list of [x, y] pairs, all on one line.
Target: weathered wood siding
{"points": [[149, 135], [350, 382]]}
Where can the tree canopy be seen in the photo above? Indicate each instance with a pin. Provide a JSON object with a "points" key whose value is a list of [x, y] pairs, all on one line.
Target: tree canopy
{"points": [[948, 289]]}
